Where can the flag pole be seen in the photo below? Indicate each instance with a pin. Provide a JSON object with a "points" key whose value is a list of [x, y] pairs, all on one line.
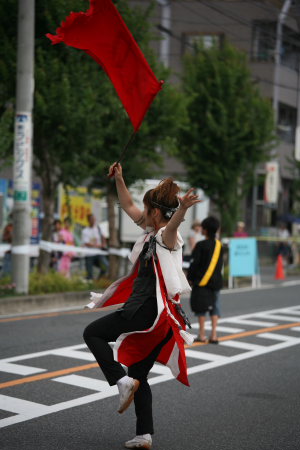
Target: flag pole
{"points": [[132, 136], [130, 140]]}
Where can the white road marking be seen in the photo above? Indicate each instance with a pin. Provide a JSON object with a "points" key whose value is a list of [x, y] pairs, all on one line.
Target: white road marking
{"points": [[22, 407], [241, 345], [220, 328], [204, 355], [26, 410], [279, 317], [277, 337], [18, 369], [290, 311], [84, 382], [255, 323], [76, 354]]}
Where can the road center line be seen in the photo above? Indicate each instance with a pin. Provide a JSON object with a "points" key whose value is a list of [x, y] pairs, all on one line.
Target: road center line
{"points": [[58, 373]]}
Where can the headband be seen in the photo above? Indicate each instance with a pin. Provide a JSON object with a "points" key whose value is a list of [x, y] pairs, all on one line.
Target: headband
{"points": [[168, 211]]}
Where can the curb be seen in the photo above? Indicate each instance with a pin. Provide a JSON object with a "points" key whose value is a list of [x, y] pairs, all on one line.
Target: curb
{"points": [[29, 303]]}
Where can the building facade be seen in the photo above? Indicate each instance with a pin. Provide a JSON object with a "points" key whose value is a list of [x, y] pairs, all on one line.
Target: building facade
{"points": [[269, 33]]}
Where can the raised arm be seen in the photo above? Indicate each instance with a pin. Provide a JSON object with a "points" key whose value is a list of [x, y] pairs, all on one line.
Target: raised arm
{"points": [[124, 196], [169, 235]]}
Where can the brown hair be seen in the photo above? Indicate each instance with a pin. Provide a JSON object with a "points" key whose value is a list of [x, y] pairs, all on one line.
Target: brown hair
{"points": [[163, 197]]}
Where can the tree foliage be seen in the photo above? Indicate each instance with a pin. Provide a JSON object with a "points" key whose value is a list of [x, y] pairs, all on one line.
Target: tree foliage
{"points": [[80, 125], [230, 130]]}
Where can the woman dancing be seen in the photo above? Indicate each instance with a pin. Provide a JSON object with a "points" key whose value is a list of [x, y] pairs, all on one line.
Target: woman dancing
{"points": [[150, 324]]}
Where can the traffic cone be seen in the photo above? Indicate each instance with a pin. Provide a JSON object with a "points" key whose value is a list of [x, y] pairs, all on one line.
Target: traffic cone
{"points": [[279, 274]]}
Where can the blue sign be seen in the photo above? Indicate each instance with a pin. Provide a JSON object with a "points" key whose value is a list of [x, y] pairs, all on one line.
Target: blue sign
{"points": [[243, 257]]}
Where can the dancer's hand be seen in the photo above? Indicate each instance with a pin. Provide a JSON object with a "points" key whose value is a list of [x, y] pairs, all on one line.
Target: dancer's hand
{"points": [[115, 170], [189, 199]]}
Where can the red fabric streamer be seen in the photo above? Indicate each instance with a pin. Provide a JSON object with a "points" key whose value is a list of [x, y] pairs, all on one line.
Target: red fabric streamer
{"points": [[102, 33]]}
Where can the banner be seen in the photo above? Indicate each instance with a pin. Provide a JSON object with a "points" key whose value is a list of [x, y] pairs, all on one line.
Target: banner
{"points": [[77, 203]]}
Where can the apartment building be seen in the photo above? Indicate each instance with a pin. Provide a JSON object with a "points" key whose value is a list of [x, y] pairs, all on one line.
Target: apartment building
{"points": [[274, 59]]}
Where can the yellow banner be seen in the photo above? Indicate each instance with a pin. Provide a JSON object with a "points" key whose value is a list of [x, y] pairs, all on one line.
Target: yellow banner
{"points": [[77, 204]]}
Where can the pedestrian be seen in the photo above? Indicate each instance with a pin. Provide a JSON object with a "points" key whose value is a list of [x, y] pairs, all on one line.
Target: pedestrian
{"points": [[150, 326], [7, 236], [240, 231], [56, 238], [195, 235], [206, 278], [284, 248], [66, 237], [93, 237]]}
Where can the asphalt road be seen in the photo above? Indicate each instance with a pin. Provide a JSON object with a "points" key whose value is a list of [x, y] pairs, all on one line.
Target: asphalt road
{"points": [[244, 394]]}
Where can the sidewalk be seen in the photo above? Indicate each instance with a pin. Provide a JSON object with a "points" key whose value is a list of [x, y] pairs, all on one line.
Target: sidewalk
{"points": [[37, 303], [68, 300]]}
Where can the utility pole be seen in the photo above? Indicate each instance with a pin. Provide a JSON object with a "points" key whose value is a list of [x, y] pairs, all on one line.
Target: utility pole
{"points": [[281, 19], [297, 140], [23, 146], [165, 26]]}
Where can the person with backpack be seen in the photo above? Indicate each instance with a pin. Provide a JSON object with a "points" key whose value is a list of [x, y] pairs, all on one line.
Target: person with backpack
{"points": [[205, 277]]}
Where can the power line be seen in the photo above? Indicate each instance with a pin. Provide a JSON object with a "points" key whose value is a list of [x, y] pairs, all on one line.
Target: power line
{"points": [[255, 78], [242, 21]]}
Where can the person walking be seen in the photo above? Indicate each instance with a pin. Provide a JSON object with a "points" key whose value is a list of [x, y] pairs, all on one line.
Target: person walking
{"points": [[149, 325], [205, 276], [92, 237], [66, 237]]}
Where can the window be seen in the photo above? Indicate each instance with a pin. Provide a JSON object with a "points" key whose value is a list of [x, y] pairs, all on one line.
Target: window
{"points": [[191, 41], [264, 43], [287, 122]]}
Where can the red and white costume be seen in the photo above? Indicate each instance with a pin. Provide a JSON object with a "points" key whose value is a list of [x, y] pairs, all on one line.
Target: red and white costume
{"points": [[134, 346]]}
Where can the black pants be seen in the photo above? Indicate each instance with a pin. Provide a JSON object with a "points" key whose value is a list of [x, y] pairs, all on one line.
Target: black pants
{"points": [[99, 333]]}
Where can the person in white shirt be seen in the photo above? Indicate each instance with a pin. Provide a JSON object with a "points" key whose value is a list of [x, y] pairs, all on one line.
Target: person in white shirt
{"points": [[93, 237]]}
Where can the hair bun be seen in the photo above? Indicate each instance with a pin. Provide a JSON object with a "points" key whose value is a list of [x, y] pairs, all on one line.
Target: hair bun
{"points": [[166, 193]]}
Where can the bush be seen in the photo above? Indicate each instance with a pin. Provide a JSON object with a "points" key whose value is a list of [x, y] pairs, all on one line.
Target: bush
{"points": [[53, 282], [7, 287], [56, 282]]}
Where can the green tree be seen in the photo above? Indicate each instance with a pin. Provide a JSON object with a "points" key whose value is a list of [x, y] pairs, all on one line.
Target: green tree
{"points": [[80, 125], [230, 130]]}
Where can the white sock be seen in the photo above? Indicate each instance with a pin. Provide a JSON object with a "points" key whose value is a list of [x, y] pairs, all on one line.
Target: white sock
{"points": [[123, 380]]}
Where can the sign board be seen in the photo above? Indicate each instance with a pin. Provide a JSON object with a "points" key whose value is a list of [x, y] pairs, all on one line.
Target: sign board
{"points": [[243, 257], [271, 182], [22, 157]]}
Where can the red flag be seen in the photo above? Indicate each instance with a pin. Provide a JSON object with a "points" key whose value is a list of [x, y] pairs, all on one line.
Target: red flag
{"points": [[102, 33]]}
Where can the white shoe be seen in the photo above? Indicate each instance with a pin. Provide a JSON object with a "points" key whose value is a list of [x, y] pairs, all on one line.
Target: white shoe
{"points": [[144, 441], [127, 387]]}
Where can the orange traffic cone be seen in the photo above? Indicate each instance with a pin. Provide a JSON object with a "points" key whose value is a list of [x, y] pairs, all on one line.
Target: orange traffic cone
{"points": [[279, 274]]}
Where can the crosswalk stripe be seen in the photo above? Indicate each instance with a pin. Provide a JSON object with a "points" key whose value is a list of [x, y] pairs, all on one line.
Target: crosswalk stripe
{"points": [[76, 354], [258, 323], [204, 355], [279, 317], [19, 406], [241, 345], [18, 369], [279, 337], [83, 382], [290, 311], [221, 328]]}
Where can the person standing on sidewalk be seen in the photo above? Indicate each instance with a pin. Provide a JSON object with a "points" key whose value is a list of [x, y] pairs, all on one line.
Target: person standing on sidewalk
{"points": [[92, 237], [205, 276], [150, 326]]}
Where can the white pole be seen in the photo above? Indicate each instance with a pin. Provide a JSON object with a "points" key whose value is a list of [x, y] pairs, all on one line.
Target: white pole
{"points": [[23, 146]]}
